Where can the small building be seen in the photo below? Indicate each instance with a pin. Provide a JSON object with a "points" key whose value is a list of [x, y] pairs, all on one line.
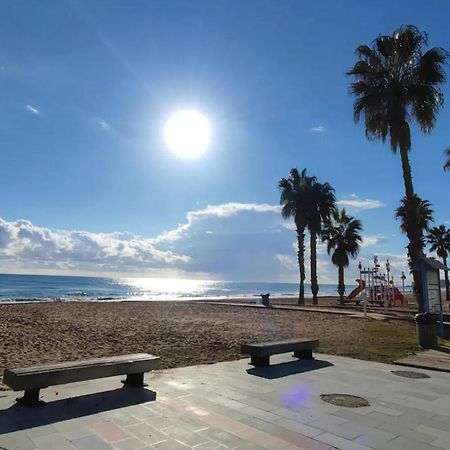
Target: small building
{"points": [[431, 288]]}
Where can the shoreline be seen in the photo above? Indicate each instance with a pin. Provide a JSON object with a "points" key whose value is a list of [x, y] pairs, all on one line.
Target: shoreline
{"points": [[253, 297]]}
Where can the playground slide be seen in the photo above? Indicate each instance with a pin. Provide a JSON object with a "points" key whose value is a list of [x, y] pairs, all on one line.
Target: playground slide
{"points": [[398, 295], [357, 290]]}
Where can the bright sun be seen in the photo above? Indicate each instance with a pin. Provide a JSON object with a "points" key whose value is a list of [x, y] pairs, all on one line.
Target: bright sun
{"points": [[187, 133]]}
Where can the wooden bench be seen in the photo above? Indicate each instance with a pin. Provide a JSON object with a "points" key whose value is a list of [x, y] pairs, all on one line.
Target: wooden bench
{"points": [[260, 353], [32, 379]]}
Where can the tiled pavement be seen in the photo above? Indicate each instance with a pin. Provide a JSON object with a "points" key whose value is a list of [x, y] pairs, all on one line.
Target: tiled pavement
{"points": [[231, 405]]}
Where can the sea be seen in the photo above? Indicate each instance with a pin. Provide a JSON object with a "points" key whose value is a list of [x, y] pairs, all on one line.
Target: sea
{"points": [[16, 288]]}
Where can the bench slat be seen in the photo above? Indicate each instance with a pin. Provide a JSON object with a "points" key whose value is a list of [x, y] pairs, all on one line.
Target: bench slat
{"points": [[261, 349], [38, 377]]}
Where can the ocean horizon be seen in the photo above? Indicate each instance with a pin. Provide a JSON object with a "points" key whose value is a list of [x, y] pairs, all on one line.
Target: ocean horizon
{"points": [[16, 288]]}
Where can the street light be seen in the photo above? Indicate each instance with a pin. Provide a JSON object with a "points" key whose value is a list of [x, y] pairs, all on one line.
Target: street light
{"points": [[403, 277], [388, 270]]}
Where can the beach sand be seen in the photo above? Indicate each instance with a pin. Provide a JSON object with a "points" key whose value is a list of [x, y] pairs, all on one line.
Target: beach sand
{"points": [[181, 333]]}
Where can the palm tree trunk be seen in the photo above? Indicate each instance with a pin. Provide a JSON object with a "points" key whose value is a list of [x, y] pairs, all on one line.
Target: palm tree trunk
{"points": [[314, 284], [414, 234], [341, 285], [301, 262], [447, 287]]}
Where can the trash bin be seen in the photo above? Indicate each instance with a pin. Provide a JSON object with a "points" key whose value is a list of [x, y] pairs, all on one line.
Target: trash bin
{"points": [[426, 326]]}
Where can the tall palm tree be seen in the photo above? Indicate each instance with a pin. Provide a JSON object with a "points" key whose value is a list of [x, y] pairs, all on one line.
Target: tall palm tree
{"points": [[439, 238], [447, 163], [418, 209], [320, 206], [342, 234], [293, 197], [398, 82]]}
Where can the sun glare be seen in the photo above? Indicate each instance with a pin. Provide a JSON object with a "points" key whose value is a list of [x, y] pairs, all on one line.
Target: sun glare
{"points": [[187, 133]]}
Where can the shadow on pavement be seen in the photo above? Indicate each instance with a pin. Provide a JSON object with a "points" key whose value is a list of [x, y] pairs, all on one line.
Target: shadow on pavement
{"points": [[288, 368], [18, 417]]}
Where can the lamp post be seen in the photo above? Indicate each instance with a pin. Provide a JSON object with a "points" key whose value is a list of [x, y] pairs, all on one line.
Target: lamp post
{"points": [[375, 280], [360, 275], [388, 270], [364, 299], [403, 284]]}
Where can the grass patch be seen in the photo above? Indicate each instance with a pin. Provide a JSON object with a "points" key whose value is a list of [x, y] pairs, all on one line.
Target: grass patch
{"points": [[377, 341]]}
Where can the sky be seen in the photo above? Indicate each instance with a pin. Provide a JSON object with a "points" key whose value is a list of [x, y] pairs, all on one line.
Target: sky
{"points": [[90, 187]]}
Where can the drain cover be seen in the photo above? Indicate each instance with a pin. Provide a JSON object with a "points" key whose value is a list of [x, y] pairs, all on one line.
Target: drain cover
{"points": [[409, 374], [349, 401]]}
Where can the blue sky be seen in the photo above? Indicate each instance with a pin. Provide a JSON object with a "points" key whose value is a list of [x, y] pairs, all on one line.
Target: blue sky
{"points": [[89, 185]]}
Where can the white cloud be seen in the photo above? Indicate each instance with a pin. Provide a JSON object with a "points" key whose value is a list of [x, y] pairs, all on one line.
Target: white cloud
{"points": [[103, 124], [369, 241], [318, 129], [32, 110], [354, 203], [27, 245], [288, 261], [222, 211]]}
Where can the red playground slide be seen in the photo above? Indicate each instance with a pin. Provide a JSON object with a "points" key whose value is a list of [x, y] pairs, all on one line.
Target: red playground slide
{"points": [[357, 290], [398, 295]]}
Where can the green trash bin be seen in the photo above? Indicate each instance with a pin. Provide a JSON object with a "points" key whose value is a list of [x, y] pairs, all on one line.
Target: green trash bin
{"points": [[426, 326]]}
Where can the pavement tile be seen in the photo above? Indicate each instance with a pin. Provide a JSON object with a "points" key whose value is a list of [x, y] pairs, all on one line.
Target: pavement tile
{"points": [[43, 430], [90, 443], [73, 429], [341, 443], [185, 436], [209, 446], [299, 427], [109, 431], [53, 442], [17, 441], [171, 445], [230, 425], [222, 437], [129, 444], [260, 414], [375, 438], [146, 433], [287, 435], [263, 439], [405, 443], [440, 438]]}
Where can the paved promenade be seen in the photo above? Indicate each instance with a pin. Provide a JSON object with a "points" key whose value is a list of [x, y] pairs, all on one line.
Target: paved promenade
{"points": [[231, 405]]}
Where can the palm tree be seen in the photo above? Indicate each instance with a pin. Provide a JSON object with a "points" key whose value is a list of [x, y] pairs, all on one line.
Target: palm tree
{"points": [[321, 203], [418, 209], [342, 234], [398, 82], [447, 163], [293, 197], [439, 238]]}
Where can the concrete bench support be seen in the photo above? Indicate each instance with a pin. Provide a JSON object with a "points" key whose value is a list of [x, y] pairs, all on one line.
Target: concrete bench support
{"points": [[32, 379], [260, 352]]}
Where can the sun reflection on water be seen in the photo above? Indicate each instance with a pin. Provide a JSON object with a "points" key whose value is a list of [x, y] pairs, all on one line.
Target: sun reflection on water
{"points": [[166, 288]]}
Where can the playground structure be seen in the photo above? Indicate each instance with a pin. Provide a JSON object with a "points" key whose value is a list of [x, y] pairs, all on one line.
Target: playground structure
{"points": [[376, 288]]}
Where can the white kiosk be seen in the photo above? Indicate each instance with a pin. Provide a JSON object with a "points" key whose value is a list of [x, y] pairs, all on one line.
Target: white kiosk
{"points": [[431, 288]]}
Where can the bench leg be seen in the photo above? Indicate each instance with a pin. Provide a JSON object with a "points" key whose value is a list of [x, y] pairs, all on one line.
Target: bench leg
{"points": [[30, 398], [260, 361], [304, 354], [134, 380]]}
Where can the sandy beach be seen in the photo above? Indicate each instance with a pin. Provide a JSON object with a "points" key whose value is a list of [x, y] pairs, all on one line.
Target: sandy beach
{"points": [[181, 333]]}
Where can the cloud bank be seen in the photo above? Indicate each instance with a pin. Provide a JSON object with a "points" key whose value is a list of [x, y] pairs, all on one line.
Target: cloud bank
{"points": [[236, 241]]}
